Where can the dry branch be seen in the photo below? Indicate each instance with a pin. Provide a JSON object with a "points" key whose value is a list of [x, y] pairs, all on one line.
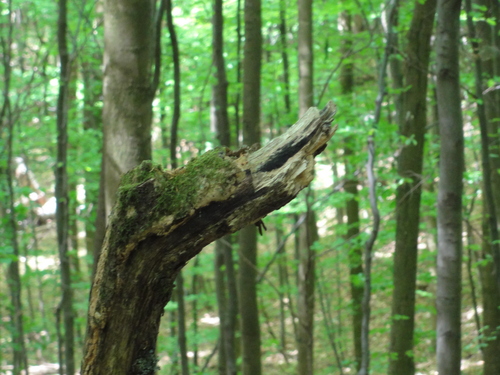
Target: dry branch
{"points": [[164, 218]]}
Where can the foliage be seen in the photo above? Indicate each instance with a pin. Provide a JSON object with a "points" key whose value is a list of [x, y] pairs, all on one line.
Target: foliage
{"points": [[33, 95]]}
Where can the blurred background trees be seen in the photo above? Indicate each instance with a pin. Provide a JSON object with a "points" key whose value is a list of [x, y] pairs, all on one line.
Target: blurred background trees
{"points": [[85, 99]]}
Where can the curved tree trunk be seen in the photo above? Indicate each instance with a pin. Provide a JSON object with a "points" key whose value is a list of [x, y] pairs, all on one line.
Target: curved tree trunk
{"points": [[164, 218]]}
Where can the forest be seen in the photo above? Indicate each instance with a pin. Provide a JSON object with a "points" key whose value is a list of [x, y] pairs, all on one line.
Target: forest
{"points": [[247, 187]]}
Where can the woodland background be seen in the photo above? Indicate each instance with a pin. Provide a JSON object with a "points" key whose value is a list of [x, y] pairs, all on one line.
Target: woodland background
{"points": [[195, 83]]}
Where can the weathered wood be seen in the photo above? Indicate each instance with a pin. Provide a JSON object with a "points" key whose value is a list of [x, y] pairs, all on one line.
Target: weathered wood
{"points": [[164, 218]]}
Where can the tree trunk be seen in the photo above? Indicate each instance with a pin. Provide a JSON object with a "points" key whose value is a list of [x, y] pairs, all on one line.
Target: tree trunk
{"points": [[128, 38], [308, 232], [451, 166], [176, 115], [491, 295], [491, 301], [355, 254], [164, 218], [284, 56], [92, 78], [247, 285], [62, 196], [226, 286], [410, 161], [9, 232]]}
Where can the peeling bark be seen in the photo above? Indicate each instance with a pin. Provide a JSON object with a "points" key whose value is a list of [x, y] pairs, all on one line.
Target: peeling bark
{"points": [[164, 218]]}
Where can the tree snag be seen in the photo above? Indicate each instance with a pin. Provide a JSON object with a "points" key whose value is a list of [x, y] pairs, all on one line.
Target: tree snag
{"points": [[163, 218]]}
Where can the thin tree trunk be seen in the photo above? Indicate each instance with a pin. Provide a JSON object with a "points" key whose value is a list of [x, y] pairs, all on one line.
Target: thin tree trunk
{"points": [[62, 197], [490, 291], [305, 52], [220, 293], [355, 255], [284, 56], [181, 316], [491, 301], [410, 161], [451, 166], [307, 235], [372, 187], [247, 285], [10, 239], [237, 99], [485, 152], [308, 232], [91, 123], [228, 307], [282, 264]]}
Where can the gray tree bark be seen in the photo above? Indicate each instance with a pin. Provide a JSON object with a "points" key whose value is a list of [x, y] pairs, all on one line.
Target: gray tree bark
{"points": [[128, 53], [451, 166]]}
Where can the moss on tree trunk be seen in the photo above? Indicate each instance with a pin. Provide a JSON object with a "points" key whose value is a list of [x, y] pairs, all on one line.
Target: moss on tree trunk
{"points": [[164, 218]]}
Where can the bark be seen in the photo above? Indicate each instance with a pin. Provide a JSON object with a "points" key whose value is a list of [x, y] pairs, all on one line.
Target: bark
{"points": [[176, 115], [128, 39], [308, 232], [249, 313], [177, 85], [61, 191], [305, 52], [284, 56], [364, 369], [451, 166], [226, 286], [220, 293], [491, 301], [9, 232], [355, 255], [92, 89], [164, 218], [491, 295], [237, 98], [412, 126], [181, 323], [485, 140]]}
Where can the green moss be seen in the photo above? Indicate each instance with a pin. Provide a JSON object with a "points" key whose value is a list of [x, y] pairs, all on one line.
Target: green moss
{"points": [[201, 174], [148, 192]]}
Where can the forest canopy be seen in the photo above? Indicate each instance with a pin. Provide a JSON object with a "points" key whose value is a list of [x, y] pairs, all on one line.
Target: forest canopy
{"points": [[387, 263]]}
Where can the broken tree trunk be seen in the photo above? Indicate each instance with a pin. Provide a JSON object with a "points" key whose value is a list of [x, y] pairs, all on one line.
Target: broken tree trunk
{"points": [[162, 219]]}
